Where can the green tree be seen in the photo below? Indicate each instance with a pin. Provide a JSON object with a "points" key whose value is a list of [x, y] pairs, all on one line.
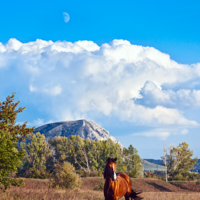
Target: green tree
{"points": [[180, 161], [132, 162], [10, 155], [101, 150], [37, 155], [80, 150], [60, 148], [74, 150], [86, 155]]}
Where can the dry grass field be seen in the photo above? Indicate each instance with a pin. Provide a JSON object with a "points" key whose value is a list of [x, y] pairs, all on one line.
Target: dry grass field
{"points": [[153, 189]]}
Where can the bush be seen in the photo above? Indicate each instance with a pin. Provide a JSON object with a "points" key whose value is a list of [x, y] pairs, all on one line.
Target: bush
{"points": [[192, 176], [150, 175], [100, 187], [179, 177], [38, 174], [85, 174], [188, 176], [198, 183], [65, 177]]}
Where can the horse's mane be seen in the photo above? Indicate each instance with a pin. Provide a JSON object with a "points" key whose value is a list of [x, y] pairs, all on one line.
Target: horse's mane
{"points": [[111, 160], [108, 161]]}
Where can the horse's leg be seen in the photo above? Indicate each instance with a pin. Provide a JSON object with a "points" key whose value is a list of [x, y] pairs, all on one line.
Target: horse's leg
{"points": [[127, 196]]}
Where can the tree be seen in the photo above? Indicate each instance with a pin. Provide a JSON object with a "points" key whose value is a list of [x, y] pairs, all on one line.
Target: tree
{"points": [[132, 162], [37, 154], [10, 155], [74, 150], [164, 158], [89, 156], [86, 155], [60, 148], [80, 151], [180, 161]]}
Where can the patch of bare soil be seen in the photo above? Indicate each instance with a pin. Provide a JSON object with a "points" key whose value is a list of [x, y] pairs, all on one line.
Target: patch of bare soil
{"points": [[170, 196], [187, 185], [154, 185], [89, 183]]}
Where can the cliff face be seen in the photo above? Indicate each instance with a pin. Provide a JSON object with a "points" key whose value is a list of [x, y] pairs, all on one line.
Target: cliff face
{"points": [[84, 128]]}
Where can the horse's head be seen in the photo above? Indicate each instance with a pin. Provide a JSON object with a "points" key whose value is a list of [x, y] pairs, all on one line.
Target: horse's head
{"points": [[110, 169]]}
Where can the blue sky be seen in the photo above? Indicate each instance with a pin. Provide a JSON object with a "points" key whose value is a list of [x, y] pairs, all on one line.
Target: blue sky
{"points": [[170, 26], [135, 70]]}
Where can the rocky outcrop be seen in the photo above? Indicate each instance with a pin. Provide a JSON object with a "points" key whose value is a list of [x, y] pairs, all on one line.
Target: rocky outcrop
{"points": [[84, 128]]}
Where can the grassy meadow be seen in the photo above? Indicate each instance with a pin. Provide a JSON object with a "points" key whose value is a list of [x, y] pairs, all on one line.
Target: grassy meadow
{"points": [[153, 189]]}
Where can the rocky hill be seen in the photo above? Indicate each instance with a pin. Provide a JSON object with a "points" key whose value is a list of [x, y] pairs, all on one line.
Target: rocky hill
{"points": [[151, 166], [158, 162], [84, 128]]}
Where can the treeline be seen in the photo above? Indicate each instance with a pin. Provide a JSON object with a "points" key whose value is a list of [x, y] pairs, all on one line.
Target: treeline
{"points": [[87, 156]]}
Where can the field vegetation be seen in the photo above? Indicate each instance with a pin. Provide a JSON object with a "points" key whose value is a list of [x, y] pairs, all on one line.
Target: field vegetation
{"points": [[153, 189]]}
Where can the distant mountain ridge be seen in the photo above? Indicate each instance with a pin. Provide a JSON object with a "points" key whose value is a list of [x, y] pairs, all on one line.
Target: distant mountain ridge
{"points": [[84, 128], [158, 162], [150, 166]]}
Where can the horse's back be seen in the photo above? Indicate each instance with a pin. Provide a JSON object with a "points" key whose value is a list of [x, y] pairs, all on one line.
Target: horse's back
{"points": [[121, 187], [127, 179]]}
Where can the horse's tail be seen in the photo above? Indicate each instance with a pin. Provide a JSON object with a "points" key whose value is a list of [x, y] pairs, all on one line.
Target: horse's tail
{"points": [[134, 195]]}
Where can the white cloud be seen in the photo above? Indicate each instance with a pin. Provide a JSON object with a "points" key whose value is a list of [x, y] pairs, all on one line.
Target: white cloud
{"points": [[152, 116], [152, 95], [56, 90], [184, 131], [13, 44], [80, 79], [39, 122], [53, 91], [161, 133]]}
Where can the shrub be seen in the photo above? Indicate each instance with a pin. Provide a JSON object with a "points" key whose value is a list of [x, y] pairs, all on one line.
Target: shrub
{"points": [[198, 183], [192, 176], [150, 175], [178, 177], [100, 187], [98, 173], [65, 177]]}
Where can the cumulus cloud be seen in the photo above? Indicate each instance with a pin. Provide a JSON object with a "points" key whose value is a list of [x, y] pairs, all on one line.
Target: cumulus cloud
{"points": [[84, 80], [153, 95], [152, 116]]}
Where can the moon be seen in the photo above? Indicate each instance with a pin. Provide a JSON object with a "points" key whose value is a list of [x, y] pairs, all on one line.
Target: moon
{"points": [[66, 17]]}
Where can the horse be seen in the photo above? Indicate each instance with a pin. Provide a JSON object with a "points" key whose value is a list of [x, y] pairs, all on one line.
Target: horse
{"points": [[117, 185]]}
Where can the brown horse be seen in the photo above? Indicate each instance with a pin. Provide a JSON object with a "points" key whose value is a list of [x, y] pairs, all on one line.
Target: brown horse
{"points": [[117, 185]]}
